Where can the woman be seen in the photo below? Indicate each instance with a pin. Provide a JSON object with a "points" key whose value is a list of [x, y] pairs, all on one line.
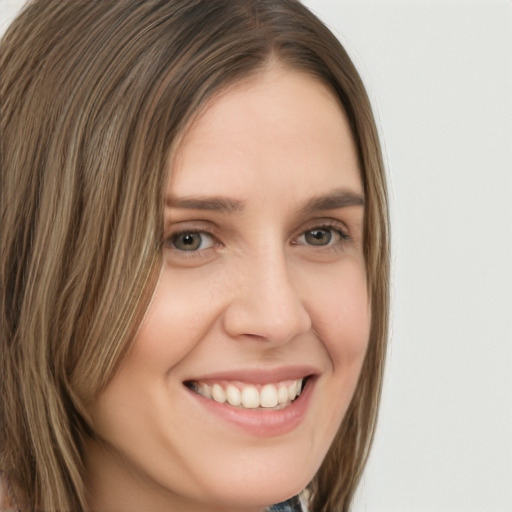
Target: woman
{"points": [[194, 258]]}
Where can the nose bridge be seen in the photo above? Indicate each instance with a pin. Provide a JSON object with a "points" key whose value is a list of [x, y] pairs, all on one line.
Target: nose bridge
{"points": [[267, 303]]}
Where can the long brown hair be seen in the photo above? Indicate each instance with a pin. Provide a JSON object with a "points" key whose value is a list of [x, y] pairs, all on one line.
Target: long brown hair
{"points": [[94, 95]]}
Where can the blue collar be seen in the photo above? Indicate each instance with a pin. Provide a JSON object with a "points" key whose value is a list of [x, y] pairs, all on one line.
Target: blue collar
{"points": [[291, 505]]}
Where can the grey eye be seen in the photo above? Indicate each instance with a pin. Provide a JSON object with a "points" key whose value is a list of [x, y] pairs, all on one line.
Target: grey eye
{"points": [[318, 236], [190, 241]]}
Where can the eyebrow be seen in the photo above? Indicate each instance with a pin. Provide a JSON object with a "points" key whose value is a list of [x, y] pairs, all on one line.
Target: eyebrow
{"points": [[335, 199], [338, 198], [215, 204]]}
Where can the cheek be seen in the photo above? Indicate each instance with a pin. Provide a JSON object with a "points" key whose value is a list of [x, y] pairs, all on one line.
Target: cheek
{"points": [[183, 309], [338, 303], [339, 306]]}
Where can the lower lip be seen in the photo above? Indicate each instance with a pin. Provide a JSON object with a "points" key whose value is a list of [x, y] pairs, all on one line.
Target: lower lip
{"points": [[261, 422]]}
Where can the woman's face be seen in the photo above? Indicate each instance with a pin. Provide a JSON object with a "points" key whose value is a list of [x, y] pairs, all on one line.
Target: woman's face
{"points": [[262, 292]]}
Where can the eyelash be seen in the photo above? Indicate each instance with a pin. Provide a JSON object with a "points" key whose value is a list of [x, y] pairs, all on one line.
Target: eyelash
{"points": [[332, 227]]}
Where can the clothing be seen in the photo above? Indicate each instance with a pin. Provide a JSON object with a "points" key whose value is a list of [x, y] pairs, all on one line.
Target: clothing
{"points": [[291, 505]]}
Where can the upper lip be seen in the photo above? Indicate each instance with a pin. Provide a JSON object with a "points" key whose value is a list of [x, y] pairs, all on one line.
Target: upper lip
{"points": [[259, 375]]}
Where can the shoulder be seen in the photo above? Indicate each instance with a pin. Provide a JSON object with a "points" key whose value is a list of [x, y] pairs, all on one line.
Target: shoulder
{"points": [[7, 502]]}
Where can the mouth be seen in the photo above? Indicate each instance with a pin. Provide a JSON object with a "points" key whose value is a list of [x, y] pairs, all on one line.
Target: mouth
{"points": [[260, 403], [242, 395]]}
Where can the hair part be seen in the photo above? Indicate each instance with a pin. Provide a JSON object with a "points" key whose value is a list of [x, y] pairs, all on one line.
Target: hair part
{"points": [[95, 95]]}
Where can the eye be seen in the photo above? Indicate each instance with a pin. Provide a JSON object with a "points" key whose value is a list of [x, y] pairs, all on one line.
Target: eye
{"points": [[318, 236], [322, 236], [191, 241]]}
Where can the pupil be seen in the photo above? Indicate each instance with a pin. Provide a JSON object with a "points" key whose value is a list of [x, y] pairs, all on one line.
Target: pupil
{"points": [[318, 237]]}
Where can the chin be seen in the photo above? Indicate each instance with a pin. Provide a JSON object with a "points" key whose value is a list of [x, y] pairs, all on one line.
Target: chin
{"points": [[261, 481]]}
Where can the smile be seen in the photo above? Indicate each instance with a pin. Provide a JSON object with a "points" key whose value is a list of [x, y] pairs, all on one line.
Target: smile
{"points": [[250, 396], [260, 403]]}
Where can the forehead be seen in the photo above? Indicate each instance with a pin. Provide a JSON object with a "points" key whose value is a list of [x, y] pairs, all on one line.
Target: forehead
{"points": [[279, 130]]}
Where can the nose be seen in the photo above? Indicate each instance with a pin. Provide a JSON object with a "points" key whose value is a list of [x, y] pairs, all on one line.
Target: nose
{"points": [[265, 302]]}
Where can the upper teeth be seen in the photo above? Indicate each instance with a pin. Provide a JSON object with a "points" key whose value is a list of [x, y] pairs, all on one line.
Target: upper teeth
{"points": [[251, 396]]}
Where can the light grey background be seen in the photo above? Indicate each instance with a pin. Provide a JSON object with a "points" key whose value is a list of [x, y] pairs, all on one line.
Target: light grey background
{"points": [[439, 74]]}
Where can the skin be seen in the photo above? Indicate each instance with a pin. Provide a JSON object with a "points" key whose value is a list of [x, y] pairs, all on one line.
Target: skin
{"points": [[268, 284]]}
